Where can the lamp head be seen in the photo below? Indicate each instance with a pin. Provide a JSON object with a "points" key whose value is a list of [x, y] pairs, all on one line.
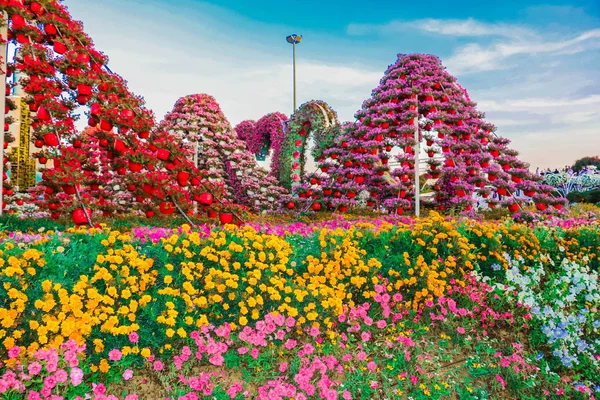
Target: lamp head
{"points": [[294, 39]]}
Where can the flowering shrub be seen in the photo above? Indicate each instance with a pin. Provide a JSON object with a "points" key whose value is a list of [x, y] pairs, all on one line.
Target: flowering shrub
{"points": [[563, 301]]}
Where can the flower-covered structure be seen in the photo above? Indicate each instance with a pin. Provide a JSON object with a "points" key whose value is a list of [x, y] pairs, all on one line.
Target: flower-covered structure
{"points": [[195, 153], [314, 118], [124, 157], [264, 136], [418, 98], [221, 155]]}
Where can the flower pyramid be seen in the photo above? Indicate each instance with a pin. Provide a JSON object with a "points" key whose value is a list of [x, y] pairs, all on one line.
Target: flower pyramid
{"points": [[465, 158], [222, 155]]}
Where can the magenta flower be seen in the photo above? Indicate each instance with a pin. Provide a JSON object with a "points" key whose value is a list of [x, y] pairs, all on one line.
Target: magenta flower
{"points": [[158, 366], [127, 374], [134, 337], [14, 352], [115, 355], [34, 368]]}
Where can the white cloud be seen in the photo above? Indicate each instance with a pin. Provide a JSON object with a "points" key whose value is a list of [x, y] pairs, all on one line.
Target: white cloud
{"points": [[449, 27], [477, 58]]}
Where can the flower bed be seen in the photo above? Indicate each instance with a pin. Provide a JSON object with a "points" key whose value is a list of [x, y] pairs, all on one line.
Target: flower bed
{"points": [[342, 309]]}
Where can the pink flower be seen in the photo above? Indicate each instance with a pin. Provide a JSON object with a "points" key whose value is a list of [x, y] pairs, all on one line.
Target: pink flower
{"points": [[254, 353], [158, 366], [61, 375], [502, 382], [283, 367], [365, 336], [371, 366], [134, 337], [115, 355], [381, 324], [346, 395], [33, 395], [235, 388], [290, 322], [414, 379], [76, 376], [14, 352], [50, 382], [216, 359], [132, 396], [242, 350], [99, 389], [460, 330], [34, 368], [429, 303], [361, 356], [290, 344], [127, 374], [314, 331]]}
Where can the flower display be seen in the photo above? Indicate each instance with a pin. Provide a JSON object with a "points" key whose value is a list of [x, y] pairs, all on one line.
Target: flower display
{"points": [[340, 309]]}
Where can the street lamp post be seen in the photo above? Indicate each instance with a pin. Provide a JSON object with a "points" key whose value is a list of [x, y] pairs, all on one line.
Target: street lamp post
{"points": [[293, 40]]}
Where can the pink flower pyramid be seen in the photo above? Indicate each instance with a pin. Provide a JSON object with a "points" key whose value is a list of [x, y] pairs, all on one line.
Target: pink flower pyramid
{"points": [[463, 155], [222, 155]]}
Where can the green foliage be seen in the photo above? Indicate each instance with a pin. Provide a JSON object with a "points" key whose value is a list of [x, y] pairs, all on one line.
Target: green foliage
{"points": [[586, 161]]}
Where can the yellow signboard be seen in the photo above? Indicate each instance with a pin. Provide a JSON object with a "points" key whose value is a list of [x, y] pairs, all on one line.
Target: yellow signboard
{"points": [[25, 171]]}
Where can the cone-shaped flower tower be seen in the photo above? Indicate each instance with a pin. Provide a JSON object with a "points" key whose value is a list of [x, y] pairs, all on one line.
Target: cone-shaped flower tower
{"points": [[418, 98], [222, 156]]}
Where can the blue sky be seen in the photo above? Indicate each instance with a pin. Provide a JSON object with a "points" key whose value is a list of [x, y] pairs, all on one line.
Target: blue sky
{"points": [[532, 67]]}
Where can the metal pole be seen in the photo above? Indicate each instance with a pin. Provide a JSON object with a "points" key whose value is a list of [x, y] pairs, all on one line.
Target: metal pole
{"points": [[294, 44], [3, 49], [417, 180]]}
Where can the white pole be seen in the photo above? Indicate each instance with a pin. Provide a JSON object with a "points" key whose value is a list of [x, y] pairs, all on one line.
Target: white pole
{"points": [[417, 180], [3, 48]]}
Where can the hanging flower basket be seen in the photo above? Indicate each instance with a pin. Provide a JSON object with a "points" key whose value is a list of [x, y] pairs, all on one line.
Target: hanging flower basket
{"points": [[135, 167], [541, 206], [163, 154], [105, 125], [211, 214], [514, 207], [183, 178], [79, 217], [225, 218], [167, 207], [51, 139], [205, 199]]}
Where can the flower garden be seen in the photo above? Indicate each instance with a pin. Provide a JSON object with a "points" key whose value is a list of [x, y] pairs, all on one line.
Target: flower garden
{"points": [[158, 260]]}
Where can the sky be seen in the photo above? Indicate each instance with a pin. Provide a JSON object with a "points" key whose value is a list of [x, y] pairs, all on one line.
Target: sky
{"points": [[531, 66]]}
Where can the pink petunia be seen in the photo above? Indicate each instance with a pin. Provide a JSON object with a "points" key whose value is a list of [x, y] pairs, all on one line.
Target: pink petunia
{"points": [[115, 355], [134, 337], [158, 366], [76, 376], [14, 352], [127, 374], [61, 375], [34, 368]]}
